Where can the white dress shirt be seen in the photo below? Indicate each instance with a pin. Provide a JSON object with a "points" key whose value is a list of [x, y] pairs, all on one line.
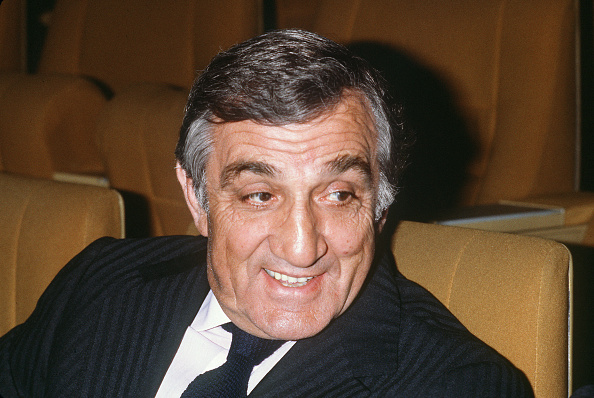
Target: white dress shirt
{"points": [[204, 347]]}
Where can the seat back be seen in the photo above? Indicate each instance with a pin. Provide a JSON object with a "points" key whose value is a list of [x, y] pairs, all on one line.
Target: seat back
{"points": [[139, 49], [137, 134], [44, 224], [511, 291], [124, 42], [510, 67], [49, 118], [47, 125], [12, 35]]}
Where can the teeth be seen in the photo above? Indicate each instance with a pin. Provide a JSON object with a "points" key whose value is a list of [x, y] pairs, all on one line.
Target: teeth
{"points": [[289, 281]]}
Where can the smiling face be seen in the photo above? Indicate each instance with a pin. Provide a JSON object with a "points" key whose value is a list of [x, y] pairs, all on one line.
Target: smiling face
{"points": [[291, 219]]}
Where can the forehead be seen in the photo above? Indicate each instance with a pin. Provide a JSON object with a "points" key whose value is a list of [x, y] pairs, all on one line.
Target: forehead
{"points": [[347, 129]]}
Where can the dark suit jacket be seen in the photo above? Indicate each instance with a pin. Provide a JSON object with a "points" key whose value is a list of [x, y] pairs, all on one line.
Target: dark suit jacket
{"points": [[110, 324]]}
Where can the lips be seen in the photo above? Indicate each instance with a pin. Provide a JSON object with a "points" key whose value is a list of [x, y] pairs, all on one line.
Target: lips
{"points": [[289, 281]]}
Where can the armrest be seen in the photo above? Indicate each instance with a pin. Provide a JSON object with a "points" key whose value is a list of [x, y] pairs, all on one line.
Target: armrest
{"points": [[579, 215], [579, 206]]}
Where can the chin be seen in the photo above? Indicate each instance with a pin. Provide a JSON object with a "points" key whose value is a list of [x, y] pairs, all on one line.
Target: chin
{"points": [[282, 328], [293, 334]]}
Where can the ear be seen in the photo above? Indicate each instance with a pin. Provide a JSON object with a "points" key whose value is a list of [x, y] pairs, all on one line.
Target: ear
{"points": [[382, 221], [198, 214]]}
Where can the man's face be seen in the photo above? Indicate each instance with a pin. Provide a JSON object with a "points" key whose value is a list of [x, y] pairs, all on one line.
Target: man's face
{"points": [[291, 223]]}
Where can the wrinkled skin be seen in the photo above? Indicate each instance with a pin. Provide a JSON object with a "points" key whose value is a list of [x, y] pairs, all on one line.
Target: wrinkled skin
{"points": [[295, 200]]}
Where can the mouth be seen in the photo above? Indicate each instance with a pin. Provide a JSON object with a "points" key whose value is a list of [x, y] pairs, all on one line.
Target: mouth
{"points": [[288, 281]]}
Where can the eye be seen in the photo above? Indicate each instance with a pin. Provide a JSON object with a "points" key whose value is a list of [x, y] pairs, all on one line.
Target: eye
{"points": [[340, 196], [258, 197]]}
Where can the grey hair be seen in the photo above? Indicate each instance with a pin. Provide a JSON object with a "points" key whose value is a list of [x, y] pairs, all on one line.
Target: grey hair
{"points": [[199, 147], [196, 153], [285, 77]]}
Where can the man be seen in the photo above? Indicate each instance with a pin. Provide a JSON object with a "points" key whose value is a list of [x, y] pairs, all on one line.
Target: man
{"points": [[288, 161]]}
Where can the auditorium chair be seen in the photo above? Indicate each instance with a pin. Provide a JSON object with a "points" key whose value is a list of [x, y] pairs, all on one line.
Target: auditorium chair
{"points": [[44, 224], [137, 133], [489, 86], [95, 49], [513, 292], [510, 67]]}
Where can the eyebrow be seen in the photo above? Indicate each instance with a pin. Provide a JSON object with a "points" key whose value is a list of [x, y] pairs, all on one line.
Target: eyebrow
{"points": [[233, 170], [344, 163], [340, 165]]}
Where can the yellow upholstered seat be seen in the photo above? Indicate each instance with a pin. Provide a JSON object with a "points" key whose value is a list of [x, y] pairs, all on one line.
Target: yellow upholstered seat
{"points": [[44, 224], [510, 67], [138, 129], [137, 133], [490, 88], [513, 292], [98, 48]]}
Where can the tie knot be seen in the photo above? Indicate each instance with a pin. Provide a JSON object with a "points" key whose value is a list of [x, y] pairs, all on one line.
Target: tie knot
{"points": [[231, 379], [253, 349]]}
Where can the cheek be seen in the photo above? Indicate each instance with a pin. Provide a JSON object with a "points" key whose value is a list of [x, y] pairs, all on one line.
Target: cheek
{"points": [[351, 235], [236, 232], [235, 240], [353, 244]]}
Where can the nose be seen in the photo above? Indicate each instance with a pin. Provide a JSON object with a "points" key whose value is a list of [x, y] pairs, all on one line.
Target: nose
{"points": [[296, 239]]}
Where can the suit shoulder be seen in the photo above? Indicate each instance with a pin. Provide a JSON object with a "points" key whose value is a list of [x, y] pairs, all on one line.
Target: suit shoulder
{"points": [[147, 250], [434, 338], [110, 262], [104, 287], [424, 319], [418, 303]]}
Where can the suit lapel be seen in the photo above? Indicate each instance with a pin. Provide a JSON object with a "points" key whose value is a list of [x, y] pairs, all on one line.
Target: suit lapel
{"points": [[168, 338]]}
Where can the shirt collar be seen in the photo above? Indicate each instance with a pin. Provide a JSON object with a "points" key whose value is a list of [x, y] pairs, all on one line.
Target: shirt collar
{"points": [[210, 315]]}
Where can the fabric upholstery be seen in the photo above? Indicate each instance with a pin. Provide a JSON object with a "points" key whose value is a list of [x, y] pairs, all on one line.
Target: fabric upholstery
{"points": [[12, 35], [589, 238], [114, 44], [511, 69], [511, 291], [142, 51], [47, 124], [124, 42], [44, 224], [6, 81], [137, 134], [579, 206]]}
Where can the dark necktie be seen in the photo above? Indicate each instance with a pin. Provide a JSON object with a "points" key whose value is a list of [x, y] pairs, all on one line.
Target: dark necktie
{"points": [[230, 380]]}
